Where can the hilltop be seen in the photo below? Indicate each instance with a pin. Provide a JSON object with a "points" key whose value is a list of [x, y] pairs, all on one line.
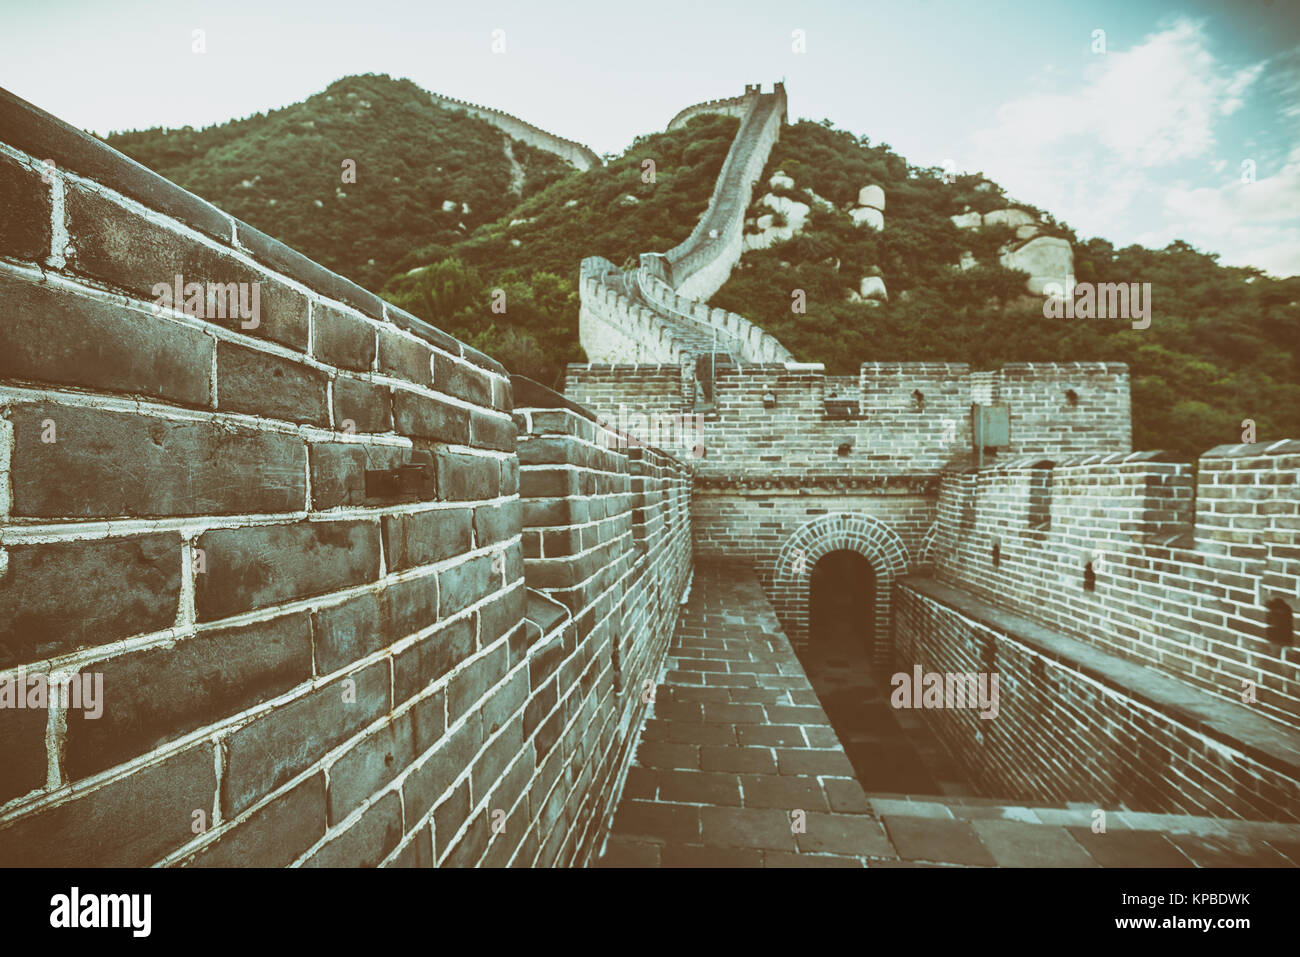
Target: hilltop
{"points": [[423, 174], [445, 221]]}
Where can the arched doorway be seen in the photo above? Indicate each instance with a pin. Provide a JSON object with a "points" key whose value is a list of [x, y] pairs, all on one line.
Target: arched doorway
{"points": [[842, 603], [790, 585]]}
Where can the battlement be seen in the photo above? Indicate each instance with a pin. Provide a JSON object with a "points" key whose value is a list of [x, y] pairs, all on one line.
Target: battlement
{"points": [[1176, 565], [575, 153], [902, 417]]}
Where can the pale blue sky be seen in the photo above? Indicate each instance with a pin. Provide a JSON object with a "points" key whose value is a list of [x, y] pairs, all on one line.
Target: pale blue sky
{"points": [[1142, 143]]}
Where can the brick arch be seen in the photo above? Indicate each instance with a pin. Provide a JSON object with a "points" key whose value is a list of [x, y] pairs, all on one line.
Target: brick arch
{"points": [[871, 538]]}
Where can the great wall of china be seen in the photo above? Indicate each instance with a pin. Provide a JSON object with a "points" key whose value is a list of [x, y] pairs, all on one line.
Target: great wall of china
{"points": [[405, 609]]}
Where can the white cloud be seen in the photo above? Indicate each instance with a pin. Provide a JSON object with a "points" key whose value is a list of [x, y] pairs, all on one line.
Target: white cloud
{"points": [[1125, 155]]}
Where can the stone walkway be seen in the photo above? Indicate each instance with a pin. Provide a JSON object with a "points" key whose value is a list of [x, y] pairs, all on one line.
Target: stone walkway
{"points": [[738, 766]]}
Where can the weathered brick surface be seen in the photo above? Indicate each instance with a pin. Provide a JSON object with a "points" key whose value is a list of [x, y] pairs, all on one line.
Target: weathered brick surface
{"points": [[53, 335], [64, 595], [258, 383], [130, 822], [25, 212], [264, 754], [249, 568], [195, 682], [341, 338], [418, 685], [367, 406], [124, 249], [115, 464]]}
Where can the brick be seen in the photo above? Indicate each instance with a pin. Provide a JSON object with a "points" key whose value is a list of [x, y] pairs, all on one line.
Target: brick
{"points": [[22, 747], [119, 464], [25, 213], [258, 383], [1014, 844], [659, 823], [342, 634], [404, 358], [431, 657], [60, 596], [699, 787], [338, 471], [620, 853], [448, 818], [501, 615], [295, 265], [425, 417], [492, 763], [275, 835], [464, 477], [747, 828], [132, 822], [783, 792], [427, 784], [267, 752], [488, 431], [380, 756], [55, 335], [460, 586], [257, 566], [362, 406], [685, 855], [927, 839], [195, 682], [342, 339], [469, 686], [737, 760], [422, 538], [461, 380], [365, 843], [418, 851], [1126, 848], [496, 523], [126, 250], [410, 606]]}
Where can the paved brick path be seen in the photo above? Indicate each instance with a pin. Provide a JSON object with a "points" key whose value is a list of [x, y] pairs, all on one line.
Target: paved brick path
{"points": [[738, 766]]}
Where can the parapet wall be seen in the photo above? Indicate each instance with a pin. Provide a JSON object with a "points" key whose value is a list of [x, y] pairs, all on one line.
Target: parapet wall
{"points": [[780, 422], [726, 106], [1171, 565], [1074, 724], [702, 263], [578, 155], [292, 549]]}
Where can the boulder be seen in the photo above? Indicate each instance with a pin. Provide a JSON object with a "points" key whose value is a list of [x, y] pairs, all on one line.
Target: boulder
{"points": [[869, 215], [780, 180], [450, 206], [872, 287], [967, 220], [1026, 232], [872, 196], [1046, 259], [1008, 217], [968, 261]]}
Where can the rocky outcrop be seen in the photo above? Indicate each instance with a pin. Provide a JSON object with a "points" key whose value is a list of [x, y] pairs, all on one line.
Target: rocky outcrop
{"points": [[870, 209], [1048, 260]]}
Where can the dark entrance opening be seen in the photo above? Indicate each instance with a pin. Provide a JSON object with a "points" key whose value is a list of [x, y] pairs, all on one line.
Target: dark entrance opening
{"points": [[842, 603], [892, 752]]}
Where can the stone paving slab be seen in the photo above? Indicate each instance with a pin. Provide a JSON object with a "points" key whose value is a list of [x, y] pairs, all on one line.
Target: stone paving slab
{"points": [[738, 766]]}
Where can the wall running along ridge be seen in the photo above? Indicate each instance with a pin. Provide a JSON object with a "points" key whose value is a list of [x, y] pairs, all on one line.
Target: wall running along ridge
{"points": [[296, 672], [641, 316], [572, 152]]}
